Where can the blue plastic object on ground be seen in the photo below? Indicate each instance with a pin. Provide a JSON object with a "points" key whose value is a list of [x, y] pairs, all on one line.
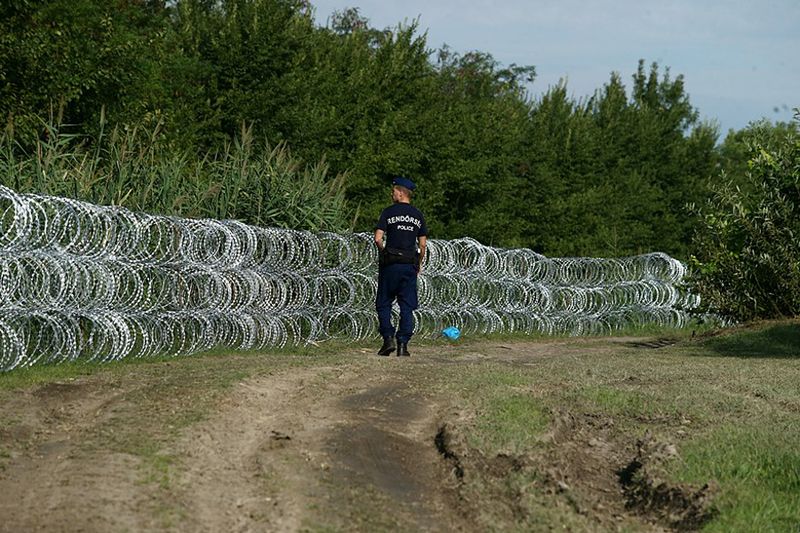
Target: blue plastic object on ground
{"points": [[451, 333]]}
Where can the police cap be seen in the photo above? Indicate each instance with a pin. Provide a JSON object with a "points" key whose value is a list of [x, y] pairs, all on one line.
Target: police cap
{"points": [[404, 182]]}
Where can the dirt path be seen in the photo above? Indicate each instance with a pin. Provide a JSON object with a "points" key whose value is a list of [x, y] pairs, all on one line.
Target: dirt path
{"points": [[54, 480], [343, 444], [355, 444]]}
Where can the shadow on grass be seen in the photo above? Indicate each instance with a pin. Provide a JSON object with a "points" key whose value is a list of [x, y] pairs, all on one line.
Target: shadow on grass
{"points": [[782, 340]]}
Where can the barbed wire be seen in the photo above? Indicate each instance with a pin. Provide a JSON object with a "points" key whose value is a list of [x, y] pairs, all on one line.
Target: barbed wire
{"points": [[89, 282]]}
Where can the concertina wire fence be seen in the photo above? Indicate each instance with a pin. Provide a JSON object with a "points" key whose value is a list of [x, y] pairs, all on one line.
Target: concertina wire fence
{"points": [[81, 281]]}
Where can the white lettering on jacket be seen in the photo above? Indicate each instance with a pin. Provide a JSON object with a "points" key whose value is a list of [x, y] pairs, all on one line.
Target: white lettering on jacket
{"points": [[404, 218]]}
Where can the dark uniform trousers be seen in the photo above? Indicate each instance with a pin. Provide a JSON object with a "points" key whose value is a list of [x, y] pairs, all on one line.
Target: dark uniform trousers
{"points": [[398, 281]]}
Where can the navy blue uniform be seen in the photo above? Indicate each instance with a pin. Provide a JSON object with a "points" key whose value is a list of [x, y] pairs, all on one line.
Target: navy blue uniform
{"points": [[402, 225]]}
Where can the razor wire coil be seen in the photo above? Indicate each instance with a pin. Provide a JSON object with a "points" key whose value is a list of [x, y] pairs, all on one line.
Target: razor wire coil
{"points": [[82, 281]]}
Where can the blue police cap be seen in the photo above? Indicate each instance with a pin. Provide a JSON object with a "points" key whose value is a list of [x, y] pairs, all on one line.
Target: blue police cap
{"points": [[404, 182]]}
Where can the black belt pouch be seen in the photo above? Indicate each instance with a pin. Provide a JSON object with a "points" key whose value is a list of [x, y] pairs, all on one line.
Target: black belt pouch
{"points": [[391, 256]]}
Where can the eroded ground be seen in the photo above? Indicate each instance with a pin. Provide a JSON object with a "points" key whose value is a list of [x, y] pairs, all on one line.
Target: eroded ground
{"points": [[345, 441]]}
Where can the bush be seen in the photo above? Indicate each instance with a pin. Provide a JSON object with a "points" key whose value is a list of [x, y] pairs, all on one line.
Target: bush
{"points": [[747, 255]]}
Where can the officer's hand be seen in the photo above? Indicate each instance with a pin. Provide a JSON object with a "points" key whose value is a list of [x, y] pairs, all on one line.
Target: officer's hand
{"points": [[419, 270]]}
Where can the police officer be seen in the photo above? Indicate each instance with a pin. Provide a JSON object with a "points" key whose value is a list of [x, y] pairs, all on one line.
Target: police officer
{"points": [[403, 226]]}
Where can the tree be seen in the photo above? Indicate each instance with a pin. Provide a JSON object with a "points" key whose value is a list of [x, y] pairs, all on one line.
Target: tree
{"points": [[612, 175], [75, 61], [363, 100], [746, 262], [478, 118], [734, 153]]}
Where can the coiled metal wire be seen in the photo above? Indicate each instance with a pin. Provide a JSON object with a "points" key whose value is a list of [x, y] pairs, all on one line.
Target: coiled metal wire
{"points": [[81, 281]]}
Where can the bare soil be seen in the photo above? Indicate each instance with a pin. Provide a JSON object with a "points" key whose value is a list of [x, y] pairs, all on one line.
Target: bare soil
{"points": [[294, 443]]}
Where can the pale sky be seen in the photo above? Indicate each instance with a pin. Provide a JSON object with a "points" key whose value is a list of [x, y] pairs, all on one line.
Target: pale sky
{"points": [[740, 58]]}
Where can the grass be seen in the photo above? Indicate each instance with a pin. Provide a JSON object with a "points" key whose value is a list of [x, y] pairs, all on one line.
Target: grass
{"points": [[47, 373], [691, 329], [28, 377], [158, 467], [758, 470], [140, 170], [729, 403], [776, 340], [615, 401], [71, 370], [509, 423]]}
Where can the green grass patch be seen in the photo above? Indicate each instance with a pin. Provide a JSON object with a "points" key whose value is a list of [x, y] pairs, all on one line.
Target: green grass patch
{"points": [[509, 418], [158, 468], [733, 420], [51, 372], [69, 370], [616, 401], [493, 377], [36, 375], [509, 424], [778, 340], [634, 330], [293, 355], [758, 471], [692, 327]]}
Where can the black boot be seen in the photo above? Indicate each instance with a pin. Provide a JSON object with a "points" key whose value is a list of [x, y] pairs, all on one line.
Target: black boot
{"points": [[388, 346], [402, 349]]}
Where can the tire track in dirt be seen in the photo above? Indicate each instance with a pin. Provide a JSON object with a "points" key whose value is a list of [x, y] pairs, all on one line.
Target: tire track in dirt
{"points": [[223, 468], [54, 482], [389, 446], [310, 449]]}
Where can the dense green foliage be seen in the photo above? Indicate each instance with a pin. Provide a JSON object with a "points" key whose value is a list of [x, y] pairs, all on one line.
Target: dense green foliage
{"points": [[748, 254], [606, 175], [241, 180], [65, 60]]}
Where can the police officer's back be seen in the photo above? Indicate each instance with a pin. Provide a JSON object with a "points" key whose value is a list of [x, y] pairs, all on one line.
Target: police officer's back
{"points": [[403, 227]]}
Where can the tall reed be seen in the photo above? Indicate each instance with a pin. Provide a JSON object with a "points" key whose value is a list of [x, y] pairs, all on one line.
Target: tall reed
{"points": [[135, 168]]}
